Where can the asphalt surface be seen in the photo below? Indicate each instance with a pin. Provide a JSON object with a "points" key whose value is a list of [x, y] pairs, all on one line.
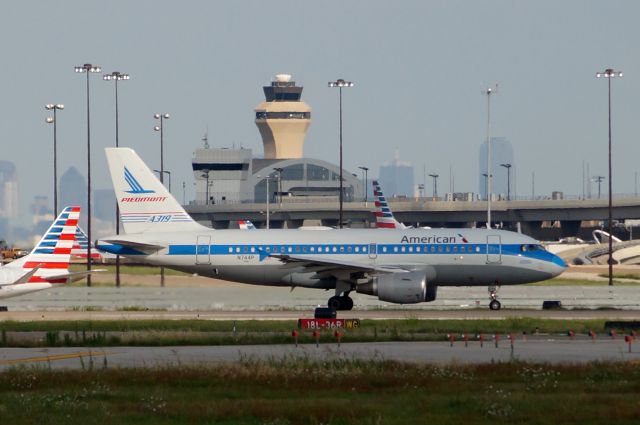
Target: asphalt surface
{"points": [[541, 350], [239, 297]]}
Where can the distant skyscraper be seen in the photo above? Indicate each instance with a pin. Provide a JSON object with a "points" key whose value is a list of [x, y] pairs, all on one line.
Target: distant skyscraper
{"points": [[104, 205], [283, 119], [73, 191], [396, 177], [8, 190], [501, 153]]}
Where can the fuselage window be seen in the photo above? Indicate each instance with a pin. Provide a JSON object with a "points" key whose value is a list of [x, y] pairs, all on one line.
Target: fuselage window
{"points": [[357, 249], [245, 249], [253, 249], [313, 249], [455, 248], [417, 249], [433, 248], [410, 249], [231, 249], [440, 248], [297, 249], [304, 249], [384, 249], [335, 249], [395, 249], [477, 249], [341, 248], [268, 249], [349, 248]]}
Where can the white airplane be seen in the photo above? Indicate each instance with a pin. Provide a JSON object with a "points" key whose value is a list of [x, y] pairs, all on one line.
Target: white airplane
{"points": [[397, 265], [48, 263]]}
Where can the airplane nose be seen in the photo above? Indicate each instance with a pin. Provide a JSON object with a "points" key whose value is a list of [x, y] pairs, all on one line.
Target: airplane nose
{"points": [[558, 265]]}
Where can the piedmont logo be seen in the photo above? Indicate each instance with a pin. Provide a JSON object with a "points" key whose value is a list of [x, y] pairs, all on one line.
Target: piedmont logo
{"points": [[137, 189]]}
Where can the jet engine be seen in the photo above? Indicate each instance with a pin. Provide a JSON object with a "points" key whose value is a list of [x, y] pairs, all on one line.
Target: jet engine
{"points": [[400, 288]]}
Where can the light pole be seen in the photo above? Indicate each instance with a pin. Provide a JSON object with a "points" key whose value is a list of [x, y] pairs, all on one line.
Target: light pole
{"points": [[88, 69], [168, 173], [54, 120], [488, 92], [184, 195], [340, 83], [279, 171], [598, 179], [205, 174], [160, 128], [268, 200], [365, 171], [435, 184], [508, 167], [486, 183], [609, 74], [116, 76]]}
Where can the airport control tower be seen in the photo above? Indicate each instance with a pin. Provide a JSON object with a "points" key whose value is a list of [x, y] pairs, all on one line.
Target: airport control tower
{"points": [[283, 119]]}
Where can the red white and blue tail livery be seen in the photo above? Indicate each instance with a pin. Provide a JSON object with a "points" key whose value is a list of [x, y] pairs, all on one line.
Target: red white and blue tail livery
{"points": [[384, 216], [47, 263]]}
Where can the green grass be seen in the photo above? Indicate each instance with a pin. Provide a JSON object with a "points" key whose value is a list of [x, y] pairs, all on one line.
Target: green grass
{"points": [[324, 392], [205, 332]]}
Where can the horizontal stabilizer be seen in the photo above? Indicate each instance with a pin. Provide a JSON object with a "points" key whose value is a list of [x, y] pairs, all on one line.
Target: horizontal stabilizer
{"points": [[125, 246]]}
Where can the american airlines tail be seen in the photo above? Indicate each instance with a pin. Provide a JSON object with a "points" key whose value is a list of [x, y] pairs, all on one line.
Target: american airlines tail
{"points": [[48, 262], [145, 204], [384, 216]]}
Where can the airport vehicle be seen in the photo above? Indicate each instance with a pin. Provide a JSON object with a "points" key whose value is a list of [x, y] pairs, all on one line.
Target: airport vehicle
{"points": [[48, 263], [384, 216], [397, 265]]}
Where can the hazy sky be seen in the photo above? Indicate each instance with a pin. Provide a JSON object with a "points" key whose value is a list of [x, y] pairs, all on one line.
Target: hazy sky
{"points": [[419, 68]]}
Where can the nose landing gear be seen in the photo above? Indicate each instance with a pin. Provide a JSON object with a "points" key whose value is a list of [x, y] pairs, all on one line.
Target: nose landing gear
{"points": [[494, 304]]}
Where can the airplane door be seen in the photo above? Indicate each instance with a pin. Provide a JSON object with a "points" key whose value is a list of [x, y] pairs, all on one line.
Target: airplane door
{"points": [[373, 251], [203, 245], [494, 249]]}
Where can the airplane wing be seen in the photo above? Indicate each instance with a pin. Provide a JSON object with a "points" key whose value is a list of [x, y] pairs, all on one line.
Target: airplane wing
{"points": [[314, 264], [74, 276], [140, 246], [25, 277]]}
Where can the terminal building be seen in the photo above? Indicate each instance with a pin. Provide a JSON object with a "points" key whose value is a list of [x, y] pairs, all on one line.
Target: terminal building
{"points": [[283, 174]]}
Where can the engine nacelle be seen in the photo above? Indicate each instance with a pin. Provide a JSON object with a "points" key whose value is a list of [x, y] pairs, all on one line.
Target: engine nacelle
{"points": [[400, 288]]}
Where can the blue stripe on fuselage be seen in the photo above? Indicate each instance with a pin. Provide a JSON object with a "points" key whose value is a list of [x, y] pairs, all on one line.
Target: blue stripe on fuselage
{"points": [[363, 249]]}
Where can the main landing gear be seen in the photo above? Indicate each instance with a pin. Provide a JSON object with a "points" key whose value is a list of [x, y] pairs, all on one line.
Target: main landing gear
{"points": [[494, 304], [343, 302]]}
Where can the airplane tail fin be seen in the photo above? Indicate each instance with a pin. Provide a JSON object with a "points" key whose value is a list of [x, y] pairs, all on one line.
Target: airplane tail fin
{"points": [[246, 225], [145, 204], [51, 255], [384, 216], [81, 246]]}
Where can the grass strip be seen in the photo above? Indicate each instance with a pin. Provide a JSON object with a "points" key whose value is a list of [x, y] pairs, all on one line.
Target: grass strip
{"points": [[205, 332], [302, 391]]}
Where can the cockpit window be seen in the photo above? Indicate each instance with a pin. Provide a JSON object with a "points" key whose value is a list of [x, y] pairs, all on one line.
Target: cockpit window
{"points": [[531, 247]]}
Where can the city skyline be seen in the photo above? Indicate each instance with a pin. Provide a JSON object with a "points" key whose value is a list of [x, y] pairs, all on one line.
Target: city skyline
{"points": [[418, 69]]}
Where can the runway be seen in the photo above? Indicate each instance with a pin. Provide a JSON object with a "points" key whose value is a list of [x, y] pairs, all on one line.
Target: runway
{"points": [[541, 350], [293, 315], [233, 297]]}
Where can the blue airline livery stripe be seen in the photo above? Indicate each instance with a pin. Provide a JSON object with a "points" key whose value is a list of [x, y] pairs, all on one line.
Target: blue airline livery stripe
{"points": [[357, 249]]}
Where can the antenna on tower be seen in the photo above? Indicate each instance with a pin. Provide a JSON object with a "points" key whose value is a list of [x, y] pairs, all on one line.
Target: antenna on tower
{"points": [[205, 139]]}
